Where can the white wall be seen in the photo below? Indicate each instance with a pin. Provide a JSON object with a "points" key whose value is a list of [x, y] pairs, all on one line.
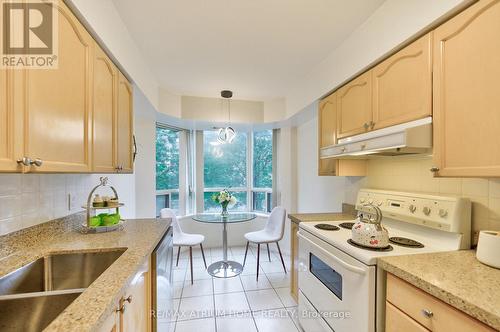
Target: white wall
{"points": [[104, 20], [145, 163], [216, 110], [274, 110], [394, 22], [170, 103], [315, 193]]}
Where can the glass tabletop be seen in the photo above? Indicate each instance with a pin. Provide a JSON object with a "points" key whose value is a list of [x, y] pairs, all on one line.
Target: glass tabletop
{"points": [[231, 218]]}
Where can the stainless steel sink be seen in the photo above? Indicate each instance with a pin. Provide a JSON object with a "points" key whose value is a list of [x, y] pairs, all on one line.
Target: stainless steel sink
{"points": [[57, 272], [34, 311], [34, 295]]}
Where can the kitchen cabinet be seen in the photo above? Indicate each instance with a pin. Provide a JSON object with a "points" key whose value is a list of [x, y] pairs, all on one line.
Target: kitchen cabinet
{"points": [[58, 103], [402, 85], [354, 106], [294, 278], [11, 122], [327, 135], [465, 93], [76, 118], [132, 311], [125, 126], [104, 144], [424, 312]]}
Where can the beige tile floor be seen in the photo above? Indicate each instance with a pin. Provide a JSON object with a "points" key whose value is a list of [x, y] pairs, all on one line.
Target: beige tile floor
{"points": [[235, 304]]}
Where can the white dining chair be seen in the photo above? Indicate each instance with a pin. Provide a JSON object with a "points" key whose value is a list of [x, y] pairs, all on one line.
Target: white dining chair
{"points": [[182, 239], [272, 233]]}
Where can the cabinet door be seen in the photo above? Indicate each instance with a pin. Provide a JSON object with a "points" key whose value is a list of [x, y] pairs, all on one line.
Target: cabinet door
{"points": [[327, 135], [58, 103], [354, 106], [294, 280], [135, 316], [466, 94], [111, 324], [402, 85], [104, 113], [125, 125], [396, 321], [11, 122]]}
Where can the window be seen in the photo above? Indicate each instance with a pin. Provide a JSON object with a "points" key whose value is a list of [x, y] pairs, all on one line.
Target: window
{"points": [[244, 167], [262, 170], [167, 168], [225, 167]]}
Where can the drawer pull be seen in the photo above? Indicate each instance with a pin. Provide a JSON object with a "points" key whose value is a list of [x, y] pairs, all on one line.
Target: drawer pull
{"points": [[427, 313]]}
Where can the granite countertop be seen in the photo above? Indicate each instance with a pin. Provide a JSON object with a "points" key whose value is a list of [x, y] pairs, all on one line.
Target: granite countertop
{"points": [[139, 237], [456, 278]]}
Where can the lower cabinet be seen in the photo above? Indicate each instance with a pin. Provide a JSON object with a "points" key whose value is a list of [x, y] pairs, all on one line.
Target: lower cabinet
{"points": [[294, 280], [410, 309], [132, 310]]}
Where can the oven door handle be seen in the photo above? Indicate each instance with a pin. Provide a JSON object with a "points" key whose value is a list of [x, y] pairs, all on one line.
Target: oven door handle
{"points": [[346, 265]]}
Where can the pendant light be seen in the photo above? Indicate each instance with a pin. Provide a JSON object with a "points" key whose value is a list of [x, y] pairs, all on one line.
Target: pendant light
{"points": [[227, 134]]}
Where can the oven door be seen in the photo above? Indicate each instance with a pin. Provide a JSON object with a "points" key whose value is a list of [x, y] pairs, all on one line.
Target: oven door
{"points": [[340, 288]]}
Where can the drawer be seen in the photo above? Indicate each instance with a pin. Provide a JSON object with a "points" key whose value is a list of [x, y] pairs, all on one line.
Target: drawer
{"points": [[441, 318], [396, 321]]}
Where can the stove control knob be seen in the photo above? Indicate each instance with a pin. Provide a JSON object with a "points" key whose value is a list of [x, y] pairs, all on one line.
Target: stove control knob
{"points": [[443, 213], [379, 203], [427, 210], [412, 208], [362, 200], [370, 201]]}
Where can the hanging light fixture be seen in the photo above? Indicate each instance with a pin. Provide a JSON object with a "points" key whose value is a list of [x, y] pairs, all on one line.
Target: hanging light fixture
{"points": [[227, 134]]}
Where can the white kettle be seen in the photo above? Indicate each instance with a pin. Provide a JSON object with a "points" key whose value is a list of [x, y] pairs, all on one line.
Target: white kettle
{"points": [[368, 230]]}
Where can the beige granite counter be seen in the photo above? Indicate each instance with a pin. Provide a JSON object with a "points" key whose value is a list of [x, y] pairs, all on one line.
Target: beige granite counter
{"points": [[456, 278], [348, 213], [139, 237]]}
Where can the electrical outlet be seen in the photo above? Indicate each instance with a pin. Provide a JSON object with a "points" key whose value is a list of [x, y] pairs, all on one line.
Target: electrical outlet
{"points": [[72, 204]]}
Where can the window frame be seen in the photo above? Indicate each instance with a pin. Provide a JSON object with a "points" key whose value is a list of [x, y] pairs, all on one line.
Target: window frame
{"points": [[184, 164], [249, 189]]}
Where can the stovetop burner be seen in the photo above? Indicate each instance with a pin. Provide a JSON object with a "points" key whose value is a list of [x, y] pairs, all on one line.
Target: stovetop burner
{"points": [[347, 225], [406, 242], [327, 227], [352, 243]]}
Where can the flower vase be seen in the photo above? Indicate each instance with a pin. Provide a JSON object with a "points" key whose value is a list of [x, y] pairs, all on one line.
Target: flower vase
{"points": [[224, 210]]}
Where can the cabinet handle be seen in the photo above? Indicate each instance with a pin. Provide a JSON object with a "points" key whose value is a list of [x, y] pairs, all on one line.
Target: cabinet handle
{"points": [[25, 161], [121, 308], [129, 299], [427, 313], [366, 125], [372, 124], [434, 169], [37, 162]]}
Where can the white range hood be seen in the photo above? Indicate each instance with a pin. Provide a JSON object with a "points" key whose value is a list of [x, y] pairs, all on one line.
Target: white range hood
{"points": [[413, 137]]}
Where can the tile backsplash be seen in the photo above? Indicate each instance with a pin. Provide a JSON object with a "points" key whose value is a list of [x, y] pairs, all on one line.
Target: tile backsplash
{"points": [[30, 199], [412, 174]]}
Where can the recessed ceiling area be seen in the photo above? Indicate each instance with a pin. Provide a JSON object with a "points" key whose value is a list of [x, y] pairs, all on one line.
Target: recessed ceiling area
{"points": [[255, 48]]}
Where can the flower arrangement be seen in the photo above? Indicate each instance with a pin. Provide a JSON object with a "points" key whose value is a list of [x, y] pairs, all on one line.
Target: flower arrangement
{"points": [[224, 198]]}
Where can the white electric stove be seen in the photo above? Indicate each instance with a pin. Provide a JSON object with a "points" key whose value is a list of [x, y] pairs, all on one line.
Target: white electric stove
{"points": [[340, 287]]}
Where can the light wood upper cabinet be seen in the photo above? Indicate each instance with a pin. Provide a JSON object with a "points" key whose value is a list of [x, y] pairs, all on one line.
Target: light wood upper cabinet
{"points": [[59, 103], [354, 106], [402, 85], [466, 93], [125, 125], [11, 126], [104, 113], [327, 135]]}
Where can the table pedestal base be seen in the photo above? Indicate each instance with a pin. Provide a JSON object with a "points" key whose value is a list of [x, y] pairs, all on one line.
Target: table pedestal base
{"points": [[225, 269]]}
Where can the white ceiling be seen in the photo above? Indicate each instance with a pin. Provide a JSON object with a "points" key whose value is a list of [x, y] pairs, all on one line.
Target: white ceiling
{"points": [[257, 48]]}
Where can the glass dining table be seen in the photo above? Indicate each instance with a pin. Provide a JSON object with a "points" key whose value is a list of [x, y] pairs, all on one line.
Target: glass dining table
{"points": [[224, 268]]}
